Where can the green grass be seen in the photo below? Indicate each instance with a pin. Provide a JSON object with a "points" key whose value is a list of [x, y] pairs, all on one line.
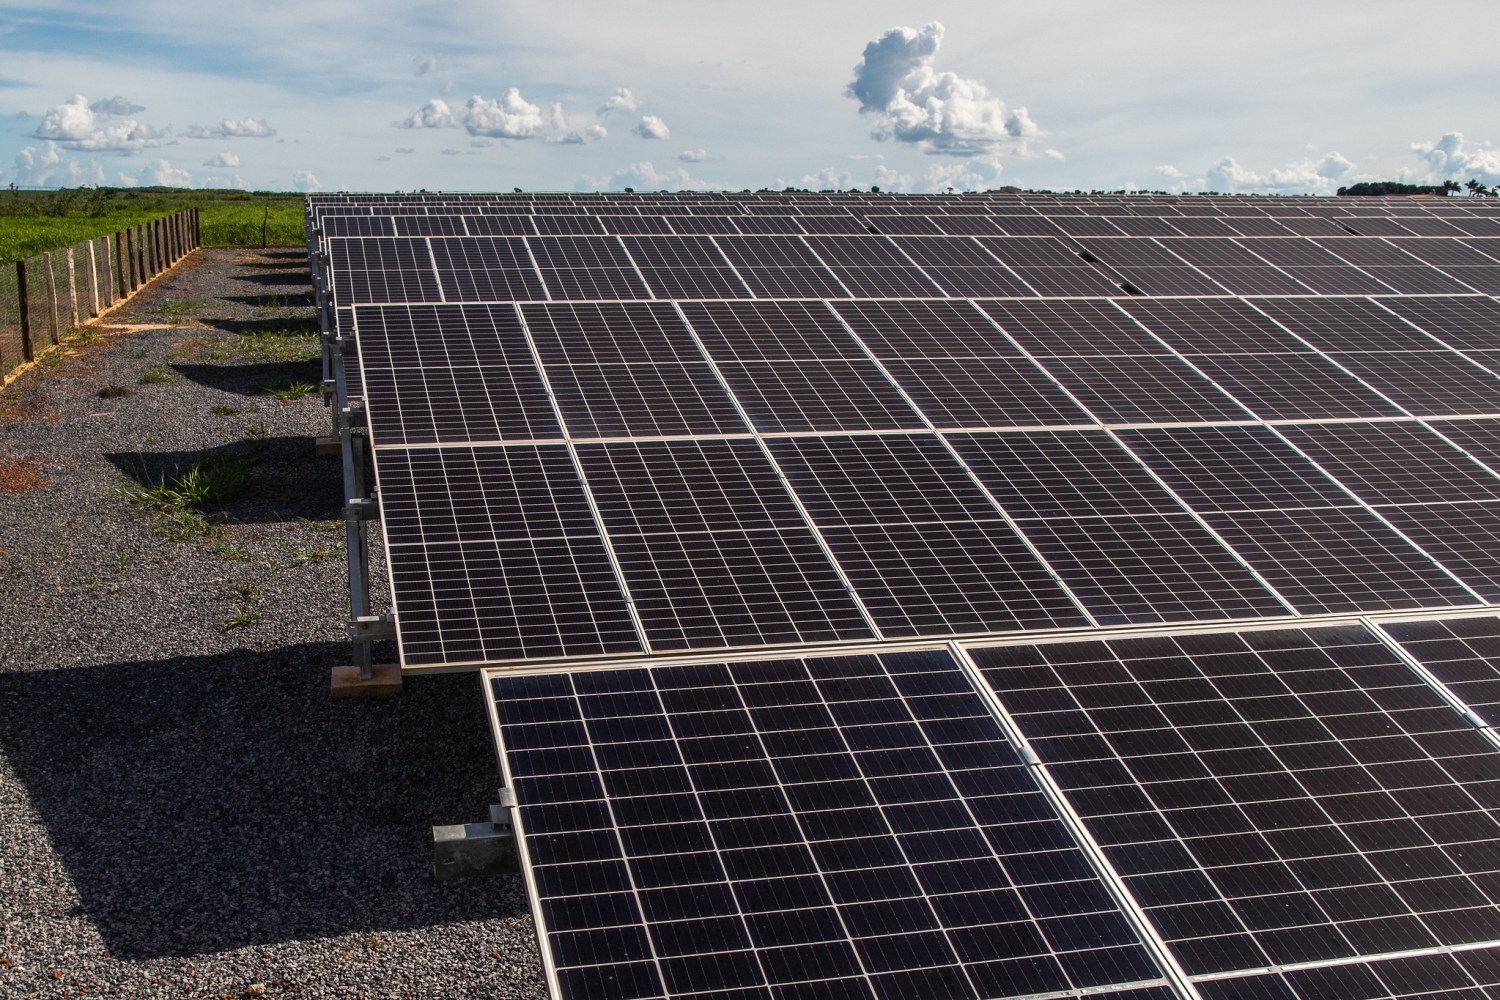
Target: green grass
{"points": [[153, 376], [289, 392], [32, 222], [209, 480]]}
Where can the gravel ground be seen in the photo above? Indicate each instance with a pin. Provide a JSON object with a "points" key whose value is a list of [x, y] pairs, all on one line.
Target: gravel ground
{"points": [[183, 810]]}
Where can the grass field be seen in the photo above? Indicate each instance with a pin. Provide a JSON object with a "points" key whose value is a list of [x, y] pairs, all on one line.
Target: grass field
{"points": [[32, 222]]}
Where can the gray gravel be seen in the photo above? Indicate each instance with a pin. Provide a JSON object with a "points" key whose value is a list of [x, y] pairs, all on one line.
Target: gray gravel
{"points": [[183, 810]]}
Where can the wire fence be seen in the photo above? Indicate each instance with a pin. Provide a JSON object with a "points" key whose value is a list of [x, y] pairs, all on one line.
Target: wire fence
{"points": [[46, 297]]}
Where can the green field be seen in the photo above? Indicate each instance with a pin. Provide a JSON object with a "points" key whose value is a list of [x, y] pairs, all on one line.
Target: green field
{"points": [[32, 222]]}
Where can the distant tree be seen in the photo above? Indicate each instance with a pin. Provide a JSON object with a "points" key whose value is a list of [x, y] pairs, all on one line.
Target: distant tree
{"points": [[1476, 189]]}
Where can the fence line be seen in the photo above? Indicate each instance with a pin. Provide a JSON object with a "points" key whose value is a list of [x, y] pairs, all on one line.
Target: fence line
{"points": [[46, 297]]}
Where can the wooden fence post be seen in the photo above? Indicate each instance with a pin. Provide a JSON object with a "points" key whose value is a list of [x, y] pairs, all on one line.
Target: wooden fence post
{"points": [[197, 229], [72, 291], [121, 268], [141, 274], [27, 353], [51, 296], [93, 278]]}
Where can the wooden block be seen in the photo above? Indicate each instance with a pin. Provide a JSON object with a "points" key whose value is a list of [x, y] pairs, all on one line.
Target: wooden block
{"points": [[384, 682], [326, 447]]}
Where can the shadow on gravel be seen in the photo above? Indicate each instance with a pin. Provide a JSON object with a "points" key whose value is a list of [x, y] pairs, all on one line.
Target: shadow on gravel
{"points": [[252, 379], [205, 803], [300, 325], [282, 274], [284, 479], [271, 300]]}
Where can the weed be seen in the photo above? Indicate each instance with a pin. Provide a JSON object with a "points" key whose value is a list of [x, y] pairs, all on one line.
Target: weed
{"points": [[209, 480], [334, 525], [230, 552], [180, 306], [223, 411], [279, 349], [137, 354], [185, 525], [151, 376], [112, 391], [121, 559], [259, 432], [311, 552], [242, 617], [246, 590], [289, 392]]}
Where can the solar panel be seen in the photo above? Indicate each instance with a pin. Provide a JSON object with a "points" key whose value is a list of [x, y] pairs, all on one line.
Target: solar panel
{"points": [[892, 596], [842, 827], [1271, 798]]}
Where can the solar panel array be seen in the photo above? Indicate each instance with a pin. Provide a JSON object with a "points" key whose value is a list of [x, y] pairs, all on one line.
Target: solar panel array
{"points": [[958, 596]]}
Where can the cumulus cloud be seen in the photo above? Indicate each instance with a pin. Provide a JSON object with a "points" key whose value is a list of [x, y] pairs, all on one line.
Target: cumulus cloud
{"points": [[74, 124], [1319, 176], [694, 156], [826, 179], [421, 67], [943, 113], [232, 128], [305, 180], [159, 173], [510, 116], [621, 100], [224, 159], [115, 106], [891, 179], [652, 127], [595, 132], [45, 166], [971, 176], [434, 114], [1451, 158], [644, 177]]}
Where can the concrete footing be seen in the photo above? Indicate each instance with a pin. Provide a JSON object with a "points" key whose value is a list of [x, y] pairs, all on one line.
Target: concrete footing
{"points": [[326, 447], [384, 682]]}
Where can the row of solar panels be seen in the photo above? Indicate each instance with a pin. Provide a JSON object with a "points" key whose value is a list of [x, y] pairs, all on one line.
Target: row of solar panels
{"points": [[679, 530], [1300, 814], [598, 267]]}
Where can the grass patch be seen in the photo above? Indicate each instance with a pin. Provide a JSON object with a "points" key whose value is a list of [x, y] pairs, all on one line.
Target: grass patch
{"points": [[311, 552], [290, 392], [178, 502], [241, 618], [155, 376], [32, 222], [223, 411]]}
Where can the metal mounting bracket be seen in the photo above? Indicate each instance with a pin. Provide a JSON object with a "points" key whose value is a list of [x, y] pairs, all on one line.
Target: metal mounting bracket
{"points": [[372, 628], [468, 850]]}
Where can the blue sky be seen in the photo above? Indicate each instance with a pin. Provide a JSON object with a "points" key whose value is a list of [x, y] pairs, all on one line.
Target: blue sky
{"points": [[368, 95]]}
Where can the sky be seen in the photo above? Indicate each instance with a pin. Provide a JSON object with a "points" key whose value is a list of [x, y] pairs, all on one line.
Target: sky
{"points": [[484, 95]]}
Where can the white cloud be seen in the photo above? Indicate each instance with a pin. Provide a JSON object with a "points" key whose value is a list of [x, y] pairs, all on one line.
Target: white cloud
{"points": [[1450, 158], [421, 67], [968, 176], [935, 112], [825, 179], [510, 116], [621, 100], [480, 144], [1055, 154], [115, 106], [1320, 176], [224, 159], [405, 149], [381, 159], [305, 180], [74, 125], [595, 132], [44, 166], [161, 173], [694, 156], [232, 128], [1167, 170], [645, 177], [652, 127], [434, 114], [507, 117], [451, 152], [891, 179]]}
